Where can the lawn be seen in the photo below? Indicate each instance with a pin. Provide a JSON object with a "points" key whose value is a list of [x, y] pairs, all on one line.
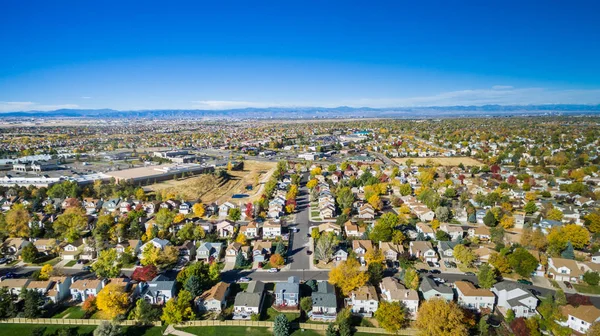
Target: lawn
{"points": [[25, 329], [315, 213], [74, 312], [554, 283], [52, 262], [587, 289], [71, 263], [271, 314], [251, 331]]}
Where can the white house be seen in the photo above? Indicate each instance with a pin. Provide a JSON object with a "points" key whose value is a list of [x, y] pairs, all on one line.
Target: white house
{"points": [[474, 298], [423, 250], [393, 291], [271, 230], [363, 301], [512, 296], [249, 302], [580, 318], [426, 230], [225, 229], [561, 269], [159, 290], [84, 288]]}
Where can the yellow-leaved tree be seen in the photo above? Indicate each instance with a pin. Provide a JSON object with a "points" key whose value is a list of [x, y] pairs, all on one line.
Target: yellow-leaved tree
{"points": [[391, 316], [46, 272], [112, 300], [507, 222], [437, 317], [347, 276], [178, 309], [198, 209], [374, 256]]}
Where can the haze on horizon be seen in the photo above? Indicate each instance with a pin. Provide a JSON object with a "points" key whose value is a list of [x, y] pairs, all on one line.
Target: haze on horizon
{"points": [[153, 55]]}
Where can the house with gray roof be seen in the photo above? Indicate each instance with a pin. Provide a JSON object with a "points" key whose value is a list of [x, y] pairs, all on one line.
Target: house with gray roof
{"points": [[159, 290], [324, 301], [446, 250], [288, 293], [209, 251], [249, 301], [430, 289], [513, 296]]}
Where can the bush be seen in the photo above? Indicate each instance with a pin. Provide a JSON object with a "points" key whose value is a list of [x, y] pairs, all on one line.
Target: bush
{"points": [[591, 278]]}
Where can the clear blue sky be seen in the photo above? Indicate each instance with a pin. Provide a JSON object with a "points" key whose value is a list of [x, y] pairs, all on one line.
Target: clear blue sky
{"points": [[205, 54]]}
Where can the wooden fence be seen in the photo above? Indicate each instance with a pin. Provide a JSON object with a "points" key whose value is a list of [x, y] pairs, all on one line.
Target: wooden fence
{"points": [[55, 321]]}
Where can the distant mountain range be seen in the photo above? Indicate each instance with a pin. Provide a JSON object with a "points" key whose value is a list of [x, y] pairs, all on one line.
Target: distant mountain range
{"points": [[319, 112]]}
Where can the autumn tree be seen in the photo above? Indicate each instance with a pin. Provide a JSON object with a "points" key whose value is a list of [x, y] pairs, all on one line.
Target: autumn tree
{"points": [[107, 265], [29, 253], [71, 223], [46, 272], [375, 202], [411, 278], [507, 222], [391, 316], [234, 214], [198, 209], [347, 276], [276, 260], [144, 273], [178, 309], [437, 317], [592, 221], [17, 221], [112, 300], [523, 262], [500, 262], [486, 276], [464, 254]]}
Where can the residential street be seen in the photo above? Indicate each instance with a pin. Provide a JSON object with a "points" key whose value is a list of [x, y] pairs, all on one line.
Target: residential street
{"points": [[297, 257]]}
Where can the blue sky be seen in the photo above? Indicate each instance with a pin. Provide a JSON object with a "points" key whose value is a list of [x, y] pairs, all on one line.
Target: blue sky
{"points": [[227, 54]]}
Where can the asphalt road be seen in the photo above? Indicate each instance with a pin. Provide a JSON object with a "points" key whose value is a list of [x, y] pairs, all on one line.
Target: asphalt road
{"points": [[297, 256]]}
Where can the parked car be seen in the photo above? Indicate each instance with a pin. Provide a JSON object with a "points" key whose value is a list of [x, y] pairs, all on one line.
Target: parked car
{"points": [[87, 268], [3, 260], [568, 284], [244, 279], [308, 252], [440, 280], [435, 272], [430, 264], [273, 270], [453, 264], [422, 270], [10, 275], [469, 273], [525, 282]]}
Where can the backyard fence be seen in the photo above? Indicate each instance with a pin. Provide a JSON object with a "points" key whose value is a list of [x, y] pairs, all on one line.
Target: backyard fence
{"points": [[54, 321]]}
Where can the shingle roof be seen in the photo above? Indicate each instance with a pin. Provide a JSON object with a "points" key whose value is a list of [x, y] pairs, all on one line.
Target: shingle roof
{"points": [[324, 296], [586, 313], [428, 284]]}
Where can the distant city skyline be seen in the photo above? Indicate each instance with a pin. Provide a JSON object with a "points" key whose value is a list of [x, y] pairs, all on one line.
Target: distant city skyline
{"points": [[190, 55]]}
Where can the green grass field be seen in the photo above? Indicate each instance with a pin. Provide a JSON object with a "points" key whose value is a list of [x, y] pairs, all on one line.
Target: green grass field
{"points": [[586, 289], [74, 312], [25, 329], [250, 331], [71, 263]]}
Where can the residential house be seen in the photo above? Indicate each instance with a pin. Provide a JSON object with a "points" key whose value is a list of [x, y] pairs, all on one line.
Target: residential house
{"points": [[340, 255], [134, 244], [225, 228], [209, 251], [42, 287], [13, 246], [59, 290], [111, 205], [232, 251], [474, 298], [45, 246], [271, 230], [426, 230], [288, 293], [159, 290], [324, 307], [446, 250], [185, 208], [250, 231], [88, 252], [547, 224], [329, 227], [423, 250], [187, 251], [482, 232], [580, 318], [561, 269], [483, 254], [249, 302], [224, 209], [393, 291], [363, 301], [92, 205], [214, 299], [261, 250], [423, 213], [361, 247], [71, 251], [431, 289], [454, 231], [390, 250], [156, 242], [14, 286], [353, 230], [513, 296], [366, 211], [519, 217], [83, 288]]}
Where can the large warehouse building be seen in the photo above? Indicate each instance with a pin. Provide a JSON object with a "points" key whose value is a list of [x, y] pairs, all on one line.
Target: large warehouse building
{"points": [[152, 174]]}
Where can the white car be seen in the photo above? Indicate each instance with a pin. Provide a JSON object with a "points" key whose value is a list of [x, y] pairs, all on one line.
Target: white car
{"points": [[273, 270], [244, 279], [440, 280]]}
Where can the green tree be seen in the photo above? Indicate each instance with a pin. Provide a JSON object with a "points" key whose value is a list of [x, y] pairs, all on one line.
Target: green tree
{"points": [[486, 276], [178, 309], [106, 328], [306, 304], [384, 228], [144, 313], [510, 315], [345, 198], [194, 285], [164, 218], [530, 207], [281, 326], [489, 219], [523, 262], [71, 223], [375, 271], [33, 300], [560, 298], [591, 278], [29, 253], [411, 278], [331, 331], [234, 214], [569, 252], [107, 265], [484, 328]]}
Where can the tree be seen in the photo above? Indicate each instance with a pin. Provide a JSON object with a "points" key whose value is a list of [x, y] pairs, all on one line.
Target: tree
{"points": [[234, 214], [345, 198], [17, 221], [178, 309], [375, 271], [164, 218], [523, 262], [592, 221], [442, 214], [330, 331], [555, 214], [579, 236], [29, 253], [241, 238], [405, 189], [325, 247], [436, 317], [391, 316], [464, 254], [145, 273], [194, 285], [343, 320], [347, 276], [306, 304], [276, 260], [198, 209], [500, 262], [144, 313], [530, 207], [384, 227], [569, 252], [486, 276], [281, 326], [375, 202], [106, 328], [489, 219], [89, 305], [507, 222], [594, 330], [107, 265], [33, 300], [411, 278], [112, 300], [71, 223], [7, 305], [560, 298], [312, 183], [398, 237], [200, 269], [591, 278], [46, 272], [483, 326], [214, 272], [442, 236], [510, 315]]}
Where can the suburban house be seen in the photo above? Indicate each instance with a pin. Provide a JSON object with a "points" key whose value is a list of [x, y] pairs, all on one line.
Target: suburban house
{"points": [[423, 250], [42, 287], [474, 298], [261, 250], [596, 258], [225, 229], [446, 250], [324, 301], [481, 232], [187, 250], [59, 290], [390, 250], [423, 213], [83, 288], [14, 286], [135, 245], [71, 251], [13, 246], [288, 293], [353, 230], [92, 205], [483, 254], [224, 209], [111, 205], [158, 291], [454, 231], [561, 269], [330, 227], [363, 301], [156, 242], [430, 289], [271, 230], [214, 299], [366, 211], [209, 251], [45, 246], [232, 251], [361, 247], [580, 318], [512, 296], [340, 255], [426, 230], [249, 301], [393, 291], [250, 231]]}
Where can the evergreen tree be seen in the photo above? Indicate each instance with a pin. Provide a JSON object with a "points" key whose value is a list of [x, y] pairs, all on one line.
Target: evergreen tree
{"points": [[281, 326], [280, 249], [331, 330], [239, 260], [489, 219], [569, 252]]}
